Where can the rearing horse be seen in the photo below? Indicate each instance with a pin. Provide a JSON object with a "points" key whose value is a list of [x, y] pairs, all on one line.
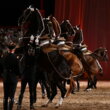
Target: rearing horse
{"points": [[94, 67], [31, 23]]}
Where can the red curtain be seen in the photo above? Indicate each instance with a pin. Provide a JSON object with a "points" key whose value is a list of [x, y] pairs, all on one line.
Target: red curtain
{"points": [[94, 18]]}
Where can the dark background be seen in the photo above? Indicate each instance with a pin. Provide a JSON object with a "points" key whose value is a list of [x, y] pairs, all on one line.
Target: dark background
{"points": [[10, 10]]}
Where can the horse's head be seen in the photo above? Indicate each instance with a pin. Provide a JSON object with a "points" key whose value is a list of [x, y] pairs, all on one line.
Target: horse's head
{"points": [[48, 26], [24, 17], [31, 22], [67, 28], [101, 54], [77, 27], [56, 26]]}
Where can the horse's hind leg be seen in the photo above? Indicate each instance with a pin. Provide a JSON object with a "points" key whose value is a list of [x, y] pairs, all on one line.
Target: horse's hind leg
{"points": [[95, 82], [63, 92], [53, 94], [78, 85], [90, 85], [47, 87]]}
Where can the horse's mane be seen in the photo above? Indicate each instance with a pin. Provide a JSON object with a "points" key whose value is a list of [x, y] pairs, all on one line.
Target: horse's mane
{"points": [[99, 49]]}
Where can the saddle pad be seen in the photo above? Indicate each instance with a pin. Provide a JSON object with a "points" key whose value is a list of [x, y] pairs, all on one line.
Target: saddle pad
{"points": [[49, 48]]}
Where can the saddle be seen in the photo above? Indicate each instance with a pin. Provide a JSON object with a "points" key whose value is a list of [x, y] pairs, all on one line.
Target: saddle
{"points": [[49, 48], [52, 47], [64, 47]]}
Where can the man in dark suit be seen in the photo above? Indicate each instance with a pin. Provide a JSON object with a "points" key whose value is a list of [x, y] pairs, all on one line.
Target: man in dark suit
{"points": [[28, 75], [10, 77]]}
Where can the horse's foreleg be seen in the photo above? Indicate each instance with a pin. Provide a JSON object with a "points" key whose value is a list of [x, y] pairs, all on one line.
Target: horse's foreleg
{"points": [[78, 84], [95, 82], [72, 86], [91, 83], [59, 102]]}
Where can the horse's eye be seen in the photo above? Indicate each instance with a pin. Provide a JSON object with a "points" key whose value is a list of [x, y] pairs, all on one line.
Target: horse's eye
{"points": [[102, 53]]}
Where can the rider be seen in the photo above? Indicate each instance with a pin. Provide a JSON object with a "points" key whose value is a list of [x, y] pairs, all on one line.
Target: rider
{"points": [[78, 42]]}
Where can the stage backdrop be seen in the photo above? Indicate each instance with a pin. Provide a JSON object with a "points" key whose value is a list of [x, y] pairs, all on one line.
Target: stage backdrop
{"points": [[94, 18]]}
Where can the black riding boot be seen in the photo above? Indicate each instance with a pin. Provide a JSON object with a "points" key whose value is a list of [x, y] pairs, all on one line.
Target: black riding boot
{"points": [[11, 104], [5, 104]]}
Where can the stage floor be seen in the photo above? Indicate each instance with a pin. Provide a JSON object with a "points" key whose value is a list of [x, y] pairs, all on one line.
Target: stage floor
{"points": [[93, 100]]}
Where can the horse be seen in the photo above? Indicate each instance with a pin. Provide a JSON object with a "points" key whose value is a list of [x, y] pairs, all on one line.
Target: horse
{"points": [[79, 49], [52, 27], [49, 72], [92, 67], [31, 26], [31, 23], [57, 71], [67, 30], [56, 26]]}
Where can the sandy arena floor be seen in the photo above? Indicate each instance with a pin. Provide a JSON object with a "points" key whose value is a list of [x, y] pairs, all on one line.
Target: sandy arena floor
{"points": [[97, 99]]}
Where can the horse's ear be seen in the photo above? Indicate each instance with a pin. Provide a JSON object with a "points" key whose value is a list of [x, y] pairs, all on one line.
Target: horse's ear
{"points": [[78, 25], [50, 17]]}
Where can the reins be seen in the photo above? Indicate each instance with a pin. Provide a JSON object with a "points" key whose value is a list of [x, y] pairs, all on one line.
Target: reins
{"points": [[59, 73]]}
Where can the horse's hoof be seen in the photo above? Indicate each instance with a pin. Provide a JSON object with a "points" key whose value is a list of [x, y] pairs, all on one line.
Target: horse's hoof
{"points": [[32, 107], [43, 96], [57, 106], [88, 89], [45, 105], [16, 102]]}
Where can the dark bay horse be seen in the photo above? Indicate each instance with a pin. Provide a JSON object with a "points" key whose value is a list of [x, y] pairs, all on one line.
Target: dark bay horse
{"points": [[45, 61], [93, 65], [56, 26], [31, 26], [90, 63], [66, 51], [57, 71], [31, 23], [52, 27], [67, 30]]}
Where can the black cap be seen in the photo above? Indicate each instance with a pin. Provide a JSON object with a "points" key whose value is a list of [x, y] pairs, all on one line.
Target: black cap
{"points": [[11, 46]]}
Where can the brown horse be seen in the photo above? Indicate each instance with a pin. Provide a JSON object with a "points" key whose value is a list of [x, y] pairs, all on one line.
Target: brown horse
{"points": [[65, 50], [92, 66], [72, 60], [56, 26]]}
